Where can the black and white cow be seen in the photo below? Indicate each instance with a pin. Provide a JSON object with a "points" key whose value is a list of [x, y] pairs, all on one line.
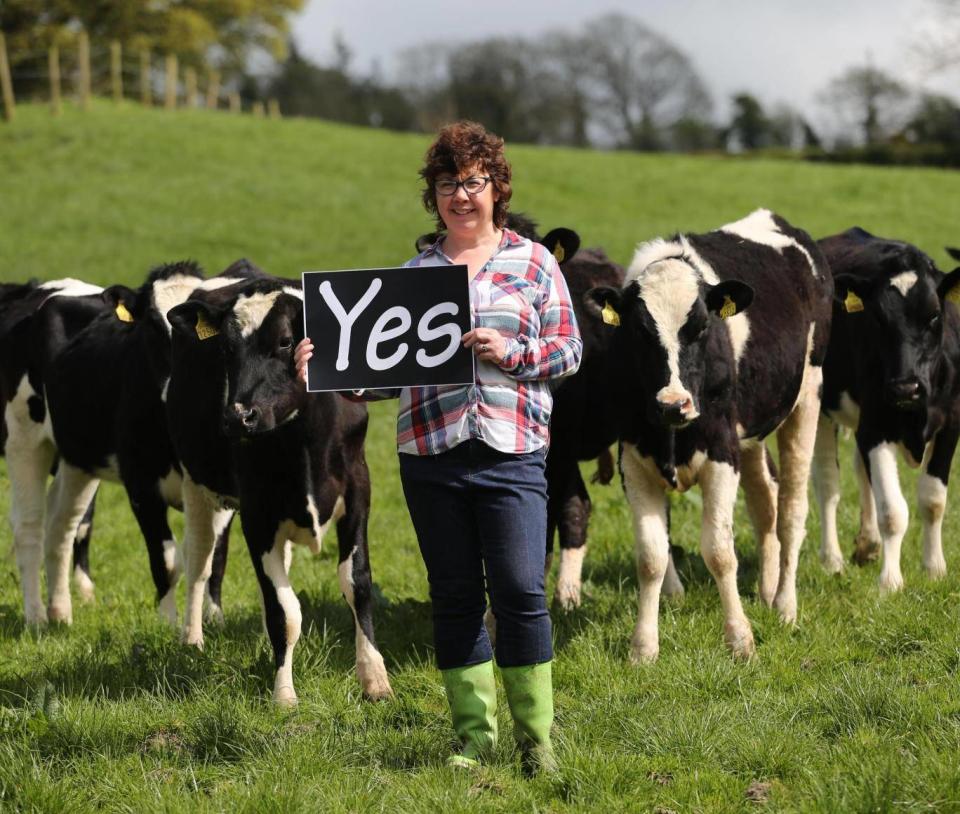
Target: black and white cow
{"points": [[248, 436], [104, 393], [36, 322], [700, 382], [892, 374]]}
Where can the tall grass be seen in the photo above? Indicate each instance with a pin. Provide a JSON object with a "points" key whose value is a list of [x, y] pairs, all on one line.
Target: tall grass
{"points": [[855, 709]]}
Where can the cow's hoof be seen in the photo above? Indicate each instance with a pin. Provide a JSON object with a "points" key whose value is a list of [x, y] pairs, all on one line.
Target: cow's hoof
{"points": [[936, 569], [890, 583], [213, 615], [644, 653], [865, 550], [35, 616], [285, 697], [673, 590], [86, 591], [786, 606], [377, 688], [739, 638], [192, 638], [832, 563], [60, 614], [567, 595]]}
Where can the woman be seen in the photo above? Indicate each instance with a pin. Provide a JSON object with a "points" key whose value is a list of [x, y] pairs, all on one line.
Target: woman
{"points": [[472, 458]]}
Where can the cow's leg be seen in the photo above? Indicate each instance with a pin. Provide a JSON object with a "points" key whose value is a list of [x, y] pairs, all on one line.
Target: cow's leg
{"points": [[932, 499], [892, 512], [67, 501], [671, 587], [826, 485], [81, 555], [796, 439], [574, 517], [648, 504], [866, 547], [281, 608], [150, 511], [719, 482], [356, 584], [760, 491], [28, 467], [212, 604], [203, 522]]}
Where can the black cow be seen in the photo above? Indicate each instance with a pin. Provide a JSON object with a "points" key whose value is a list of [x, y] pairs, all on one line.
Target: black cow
{"points": [[581, 423], [892, 374], [104, 393], [36, 321], [250, 437], [700, 384]]}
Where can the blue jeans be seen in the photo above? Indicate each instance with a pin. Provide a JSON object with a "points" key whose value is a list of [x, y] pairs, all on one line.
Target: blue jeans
{"points": [[481, 512]]}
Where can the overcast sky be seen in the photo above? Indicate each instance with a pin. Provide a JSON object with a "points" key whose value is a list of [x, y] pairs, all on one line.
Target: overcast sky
{"points": [[780, 50]]}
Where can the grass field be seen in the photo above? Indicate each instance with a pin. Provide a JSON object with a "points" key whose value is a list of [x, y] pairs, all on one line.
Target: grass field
{"points": [[855, 709]]}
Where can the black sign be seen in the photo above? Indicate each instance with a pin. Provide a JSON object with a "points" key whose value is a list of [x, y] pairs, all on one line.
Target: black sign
{"points": [[394, 327]]}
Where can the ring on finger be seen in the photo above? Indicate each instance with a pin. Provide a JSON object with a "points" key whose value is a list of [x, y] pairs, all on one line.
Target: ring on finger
{"points": [[483, 349]]}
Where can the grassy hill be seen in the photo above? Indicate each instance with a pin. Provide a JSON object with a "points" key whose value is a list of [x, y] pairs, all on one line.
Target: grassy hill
{"points": [[857, 709]]}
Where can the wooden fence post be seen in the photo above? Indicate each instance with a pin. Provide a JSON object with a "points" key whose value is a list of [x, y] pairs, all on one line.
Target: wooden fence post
{"points": [[5, 84], [257, 109], [146, 91], [234, 102], [213, 89], [84, 55], [53, 64], [116, 75], [190, 87], [170, 86], [273, 109]]}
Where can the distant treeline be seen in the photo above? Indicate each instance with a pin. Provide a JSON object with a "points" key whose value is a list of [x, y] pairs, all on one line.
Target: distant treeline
{"points": [[614, 84]]}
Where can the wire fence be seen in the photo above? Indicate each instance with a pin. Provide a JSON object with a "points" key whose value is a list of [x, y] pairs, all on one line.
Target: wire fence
{"points": [[84, 70]]}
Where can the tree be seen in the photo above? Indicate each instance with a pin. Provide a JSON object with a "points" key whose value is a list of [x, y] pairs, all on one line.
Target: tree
{"points": [[935, 121], [226, 32], [642, 82], [875, 100], [749, 126], [938, 45]]}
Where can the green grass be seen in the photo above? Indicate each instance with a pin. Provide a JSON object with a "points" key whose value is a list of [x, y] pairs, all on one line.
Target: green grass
{"points": [[856, 709]]}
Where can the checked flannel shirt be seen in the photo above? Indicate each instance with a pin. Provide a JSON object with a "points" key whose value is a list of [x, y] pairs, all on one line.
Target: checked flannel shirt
{"points": [[521, 293]]}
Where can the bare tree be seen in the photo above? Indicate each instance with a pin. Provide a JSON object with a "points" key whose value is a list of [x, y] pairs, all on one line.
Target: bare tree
{"points": [[643, 83], [937, 48], [875, 100]]}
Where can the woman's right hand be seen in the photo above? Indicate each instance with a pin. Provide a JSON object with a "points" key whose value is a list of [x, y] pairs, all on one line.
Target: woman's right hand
{"points": [[302, 355]]}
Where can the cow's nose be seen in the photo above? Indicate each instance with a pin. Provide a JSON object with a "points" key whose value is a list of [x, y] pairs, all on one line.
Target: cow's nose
{"points": [[905, 390], [249, 416], [676, 412]]}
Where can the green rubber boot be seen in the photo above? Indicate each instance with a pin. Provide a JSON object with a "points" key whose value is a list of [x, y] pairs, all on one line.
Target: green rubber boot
{"points": [[472, 694], [530, 695]]}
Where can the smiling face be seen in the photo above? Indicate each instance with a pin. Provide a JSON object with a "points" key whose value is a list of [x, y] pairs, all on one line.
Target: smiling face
{"points": [[466, 215]]}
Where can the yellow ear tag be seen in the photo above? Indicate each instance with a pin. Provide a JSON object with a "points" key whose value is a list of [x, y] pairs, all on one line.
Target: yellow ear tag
{"points": [[953, 295], [559, 253], [610, 316], [122, 313], [204, 329], [852, 304], [728, 309]]}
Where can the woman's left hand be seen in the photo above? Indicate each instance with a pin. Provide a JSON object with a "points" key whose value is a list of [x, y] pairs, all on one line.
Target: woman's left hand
{"points": [[487, 343]]}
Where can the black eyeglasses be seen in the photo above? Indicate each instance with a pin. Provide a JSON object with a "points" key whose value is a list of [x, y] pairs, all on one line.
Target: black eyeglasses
{"points": [[472, 186]]}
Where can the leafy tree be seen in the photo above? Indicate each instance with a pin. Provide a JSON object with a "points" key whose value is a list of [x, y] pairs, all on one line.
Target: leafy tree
{"points": [[749, 125], [935, 121], [874, 99]]}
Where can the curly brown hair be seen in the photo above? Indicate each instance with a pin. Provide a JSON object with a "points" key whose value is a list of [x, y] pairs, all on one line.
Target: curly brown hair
{"points": [[458, 147]]}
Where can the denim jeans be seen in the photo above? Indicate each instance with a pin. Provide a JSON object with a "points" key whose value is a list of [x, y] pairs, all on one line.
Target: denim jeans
{"points": [[482, 513]]}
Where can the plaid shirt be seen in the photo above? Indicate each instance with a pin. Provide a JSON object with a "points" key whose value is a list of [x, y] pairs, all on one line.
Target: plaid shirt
{"points": [[522, 294]]}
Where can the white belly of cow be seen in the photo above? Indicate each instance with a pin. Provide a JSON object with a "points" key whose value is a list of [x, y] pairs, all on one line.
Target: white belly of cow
{"points": [[171, 488]]}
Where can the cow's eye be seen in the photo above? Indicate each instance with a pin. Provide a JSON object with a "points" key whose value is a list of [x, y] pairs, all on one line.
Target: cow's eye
{"points": [[934, 322], [286, 343]]}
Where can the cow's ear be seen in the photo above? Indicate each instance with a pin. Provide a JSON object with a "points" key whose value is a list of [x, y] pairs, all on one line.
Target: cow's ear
{"points": [[852, 292], [424, 242], [603, 302], [954, 253], [729, 298], [123, 302], [562, 243], [949, 288], [195, 319]]}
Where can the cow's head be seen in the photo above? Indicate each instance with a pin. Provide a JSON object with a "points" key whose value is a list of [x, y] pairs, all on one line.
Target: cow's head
{"points": [[668, 322], [256, 331], [901, 315]]}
